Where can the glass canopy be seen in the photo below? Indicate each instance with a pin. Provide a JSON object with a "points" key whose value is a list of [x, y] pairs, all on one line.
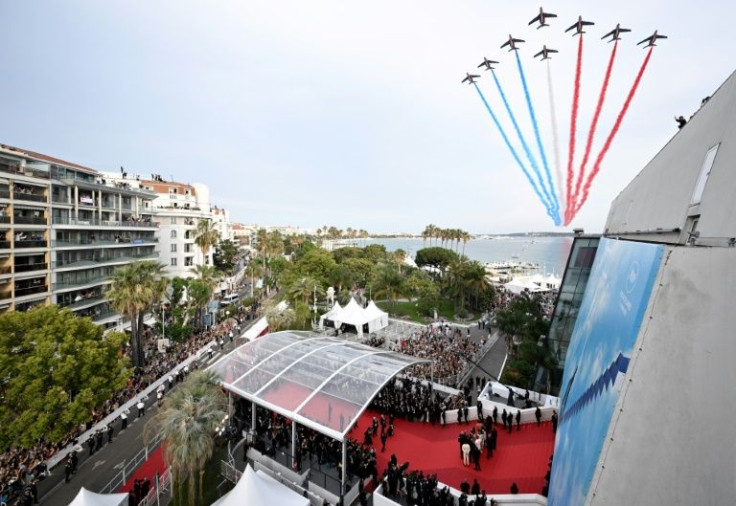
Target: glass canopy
{"points": [[321, 382]]}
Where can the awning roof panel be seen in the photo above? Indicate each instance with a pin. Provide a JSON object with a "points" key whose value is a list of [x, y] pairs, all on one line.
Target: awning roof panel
{"points": [[321, 382]]}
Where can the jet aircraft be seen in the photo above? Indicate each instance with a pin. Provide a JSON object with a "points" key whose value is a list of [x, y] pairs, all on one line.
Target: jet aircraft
{"points": [[650, 41], [615, 34], [470, 78], [578, 26], [545, 53], [488, 64], [511, 43], [542, 18]]}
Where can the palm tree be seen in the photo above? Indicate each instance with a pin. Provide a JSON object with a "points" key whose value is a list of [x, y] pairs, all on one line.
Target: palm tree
{"points": [[476, 281], [304, 289], [189, 419], [465, 237], [254, 269], [206, 236], [135, 288], [387, 282]]}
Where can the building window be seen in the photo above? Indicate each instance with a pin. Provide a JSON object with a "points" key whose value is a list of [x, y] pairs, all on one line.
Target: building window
{"points": [[710, 157], [173, 248], [173, 262], [173, 234], [173, 220]]}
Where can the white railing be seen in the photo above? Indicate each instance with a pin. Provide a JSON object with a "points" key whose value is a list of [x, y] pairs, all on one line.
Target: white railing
{"points": [[164, 486]]}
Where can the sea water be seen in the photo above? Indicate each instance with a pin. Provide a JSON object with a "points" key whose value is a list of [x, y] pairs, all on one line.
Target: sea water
{"points": [[550, 253]]}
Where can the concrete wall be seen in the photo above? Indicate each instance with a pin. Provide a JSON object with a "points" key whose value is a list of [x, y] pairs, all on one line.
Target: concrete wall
{"points": [[672, 439], [660, 196]]}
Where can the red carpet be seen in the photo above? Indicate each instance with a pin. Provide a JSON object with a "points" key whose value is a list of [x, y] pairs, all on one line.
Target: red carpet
{"points": [[154, 465], [520, 457]]}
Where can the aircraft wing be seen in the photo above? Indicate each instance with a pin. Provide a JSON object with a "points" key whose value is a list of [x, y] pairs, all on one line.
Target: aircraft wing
{"points": [[538, 18], [648, 39], [539, 53], [612, 32], [588, 23], [572, 27], [505, 44], [550, 15]]}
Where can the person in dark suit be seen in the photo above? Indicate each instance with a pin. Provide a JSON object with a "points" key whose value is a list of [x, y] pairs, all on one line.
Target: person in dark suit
{"points": [[518, 420], [538, 416], [554, 421], [475, 489], [495, 414], [514, 488]]}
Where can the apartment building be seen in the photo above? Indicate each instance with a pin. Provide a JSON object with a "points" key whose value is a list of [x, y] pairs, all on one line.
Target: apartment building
{"points": [[176, 210], [64, 229]]}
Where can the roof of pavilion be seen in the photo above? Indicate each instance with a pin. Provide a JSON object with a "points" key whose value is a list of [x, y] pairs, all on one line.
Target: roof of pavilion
{"points": [[310, 378]]}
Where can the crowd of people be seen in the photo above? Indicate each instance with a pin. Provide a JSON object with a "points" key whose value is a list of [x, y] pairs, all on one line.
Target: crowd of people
{"points": [[448, 349]]}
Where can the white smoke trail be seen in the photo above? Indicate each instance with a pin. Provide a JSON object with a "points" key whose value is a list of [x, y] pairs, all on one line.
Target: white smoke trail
{"points": [[555, 138]]}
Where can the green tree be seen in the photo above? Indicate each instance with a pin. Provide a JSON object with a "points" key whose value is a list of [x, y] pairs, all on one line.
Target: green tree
{"points": [[436, 257], [375, 253], [342, 275], [189, 418], [342, 254], [304, 289], [135, 288], [56, 369], [387, 282], [361, 269], [226, 256], [316, 263], [206, 236]]}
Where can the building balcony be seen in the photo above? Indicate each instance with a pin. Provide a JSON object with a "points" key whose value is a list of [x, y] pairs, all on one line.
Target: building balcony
{"points": [[99, 243], [31, 244], [85, 303], [29, 197], [4, 219], [4, 245], [4, 193], [82, 283], [60, 199], [30, 290], [94, 222], [85, 264], [29, 220], [105, 316], [31, 267]]}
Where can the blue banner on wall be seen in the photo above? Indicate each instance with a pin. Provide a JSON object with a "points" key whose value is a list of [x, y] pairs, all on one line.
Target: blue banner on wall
{"points": [[606, 329]]}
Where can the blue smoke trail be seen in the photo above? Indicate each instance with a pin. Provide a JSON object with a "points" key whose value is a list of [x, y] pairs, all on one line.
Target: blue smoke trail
{"points": [[532, 161], [513, 151], [555, 202]]}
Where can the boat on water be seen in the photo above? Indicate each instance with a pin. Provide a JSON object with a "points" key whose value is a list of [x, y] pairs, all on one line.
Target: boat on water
{"points": [[511, 266]]}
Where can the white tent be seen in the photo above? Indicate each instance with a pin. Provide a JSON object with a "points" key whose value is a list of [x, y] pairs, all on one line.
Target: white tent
{"points": [[333, 315], [518, 285], [378, 319], [258, 489], [368, 320], [87, 498]]}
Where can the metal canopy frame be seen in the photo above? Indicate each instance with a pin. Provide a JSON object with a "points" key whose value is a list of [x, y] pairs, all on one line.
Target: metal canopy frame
{"points": [[287, 372]]}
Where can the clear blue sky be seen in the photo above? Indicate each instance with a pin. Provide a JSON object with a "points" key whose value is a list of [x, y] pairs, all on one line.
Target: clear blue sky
{"points": [[345, 113]]}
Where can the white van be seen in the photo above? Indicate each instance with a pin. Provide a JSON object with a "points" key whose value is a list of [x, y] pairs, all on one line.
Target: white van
{"points": [[231, 298]]}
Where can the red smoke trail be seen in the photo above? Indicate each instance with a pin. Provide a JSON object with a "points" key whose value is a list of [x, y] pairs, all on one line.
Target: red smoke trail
{"points": [[602, 154], [593, 125], [573, 128]]}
